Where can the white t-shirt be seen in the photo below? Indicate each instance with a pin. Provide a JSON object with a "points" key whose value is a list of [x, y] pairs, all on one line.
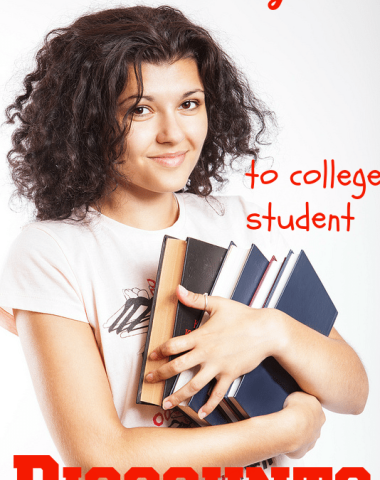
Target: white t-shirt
{"points": [[103, 273]]}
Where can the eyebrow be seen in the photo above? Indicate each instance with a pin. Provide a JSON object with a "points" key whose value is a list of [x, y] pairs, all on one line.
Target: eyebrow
{"points": [[151, 99]]}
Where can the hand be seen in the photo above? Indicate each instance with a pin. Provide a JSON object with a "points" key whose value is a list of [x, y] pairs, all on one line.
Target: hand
{"points": [[306, 419], [234, 341]]}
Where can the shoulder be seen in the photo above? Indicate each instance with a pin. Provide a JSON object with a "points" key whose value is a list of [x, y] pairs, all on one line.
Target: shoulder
{"points": [[33, 238], [41, 249], [53, 249], [60, 234], [39, 276]]}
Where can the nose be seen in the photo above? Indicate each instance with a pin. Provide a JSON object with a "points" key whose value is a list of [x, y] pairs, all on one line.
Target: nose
{"points": [[170, 129]]}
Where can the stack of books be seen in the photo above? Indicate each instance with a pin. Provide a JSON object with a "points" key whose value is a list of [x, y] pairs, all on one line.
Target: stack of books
{"points": [[248, 277]]}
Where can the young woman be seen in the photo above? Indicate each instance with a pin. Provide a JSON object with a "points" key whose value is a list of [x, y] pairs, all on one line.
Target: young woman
{"points": [[124, 129]]}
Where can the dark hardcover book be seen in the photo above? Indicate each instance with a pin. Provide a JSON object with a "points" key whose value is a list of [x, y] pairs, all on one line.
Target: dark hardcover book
{"points": [[303, 297], [313, 307], [250, 277], [162, 317], [202, 263]]}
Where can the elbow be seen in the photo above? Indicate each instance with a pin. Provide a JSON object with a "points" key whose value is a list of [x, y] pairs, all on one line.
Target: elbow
{"points": [[353, 406], [358, 392], [360, 397], [361, 401], [358, 409], [351, 400]]}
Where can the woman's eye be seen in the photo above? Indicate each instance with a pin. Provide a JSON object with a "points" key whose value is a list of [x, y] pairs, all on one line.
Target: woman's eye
{"points": [[189, 105], [139, 111]]}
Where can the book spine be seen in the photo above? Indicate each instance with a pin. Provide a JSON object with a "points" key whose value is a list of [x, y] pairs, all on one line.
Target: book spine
{"points": [[145, 355], [279, 275]]}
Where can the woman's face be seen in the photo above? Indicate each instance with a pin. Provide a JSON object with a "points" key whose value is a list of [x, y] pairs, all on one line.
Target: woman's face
{"points": [[168, 128]]}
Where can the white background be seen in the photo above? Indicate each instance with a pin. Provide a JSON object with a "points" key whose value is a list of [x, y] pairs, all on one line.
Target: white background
{"points": [[316, 64]]}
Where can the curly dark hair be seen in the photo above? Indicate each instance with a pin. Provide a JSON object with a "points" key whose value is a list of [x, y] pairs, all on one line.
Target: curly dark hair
{"points": [[68, 143]]}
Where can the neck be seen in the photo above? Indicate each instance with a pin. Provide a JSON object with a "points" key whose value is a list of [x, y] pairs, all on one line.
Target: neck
{"points": [[144, 210]]}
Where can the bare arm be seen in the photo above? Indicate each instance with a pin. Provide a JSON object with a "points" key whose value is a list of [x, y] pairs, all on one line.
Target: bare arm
{"points": [[237, 338], [326, 367], [75, 398]]}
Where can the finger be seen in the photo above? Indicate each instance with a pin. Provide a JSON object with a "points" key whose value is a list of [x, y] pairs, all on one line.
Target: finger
{"points": [[202, 378], [174, 346], [220, 389], [174, 367], [195, 300]]}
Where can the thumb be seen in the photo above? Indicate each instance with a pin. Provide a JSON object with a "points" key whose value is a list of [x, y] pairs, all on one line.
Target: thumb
{"points": [[194, 300]]}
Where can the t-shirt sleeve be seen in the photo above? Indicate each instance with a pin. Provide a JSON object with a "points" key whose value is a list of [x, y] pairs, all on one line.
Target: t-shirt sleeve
{"points": [[38, 277]]}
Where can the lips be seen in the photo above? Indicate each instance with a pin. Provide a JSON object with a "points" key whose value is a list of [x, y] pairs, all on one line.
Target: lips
{"points": [[170, 159]]}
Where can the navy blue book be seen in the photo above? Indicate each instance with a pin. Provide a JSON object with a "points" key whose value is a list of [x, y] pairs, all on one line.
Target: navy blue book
{"points": [[250, 277], [264, 390], [313, 307]]}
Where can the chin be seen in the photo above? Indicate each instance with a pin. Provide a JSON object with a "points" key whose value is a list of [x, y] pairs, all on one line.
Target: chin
{"points": [[170, 184], [171, 188]]}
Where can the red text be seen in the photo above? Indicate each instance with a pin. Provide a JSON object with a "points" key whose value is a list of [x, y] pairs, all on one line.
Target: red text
{"points": [[303, 222], [25, 465], [274, 4]]}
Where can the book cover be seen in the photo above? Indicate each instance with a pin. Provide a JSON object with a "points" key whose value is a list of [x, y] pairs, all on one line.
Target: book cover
{"points": [[250, 277]]}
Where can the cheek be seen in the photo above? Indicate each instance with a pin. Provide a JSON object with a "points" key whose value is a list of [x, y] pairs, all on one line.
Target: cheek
{"points": [[139, 139], [198, 132]]}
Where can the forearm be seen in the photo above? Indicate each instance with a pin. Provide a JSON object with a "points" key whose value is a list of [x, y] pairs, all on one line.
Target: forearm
{"points": [[326, 367], [75, 397], [237, 444]]}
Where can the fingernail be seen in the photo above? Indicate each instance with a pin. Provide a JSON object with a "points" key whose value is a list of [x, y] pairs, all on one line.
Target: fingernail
{"points": [[166, 405], [183, 290], [149, 377], [153, 356], [201, 414]]}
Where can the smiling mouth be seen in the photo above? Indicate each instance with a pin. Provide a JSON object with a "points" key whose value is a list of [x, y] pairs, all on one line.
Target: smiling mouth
{"points": [[170, 159]]}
